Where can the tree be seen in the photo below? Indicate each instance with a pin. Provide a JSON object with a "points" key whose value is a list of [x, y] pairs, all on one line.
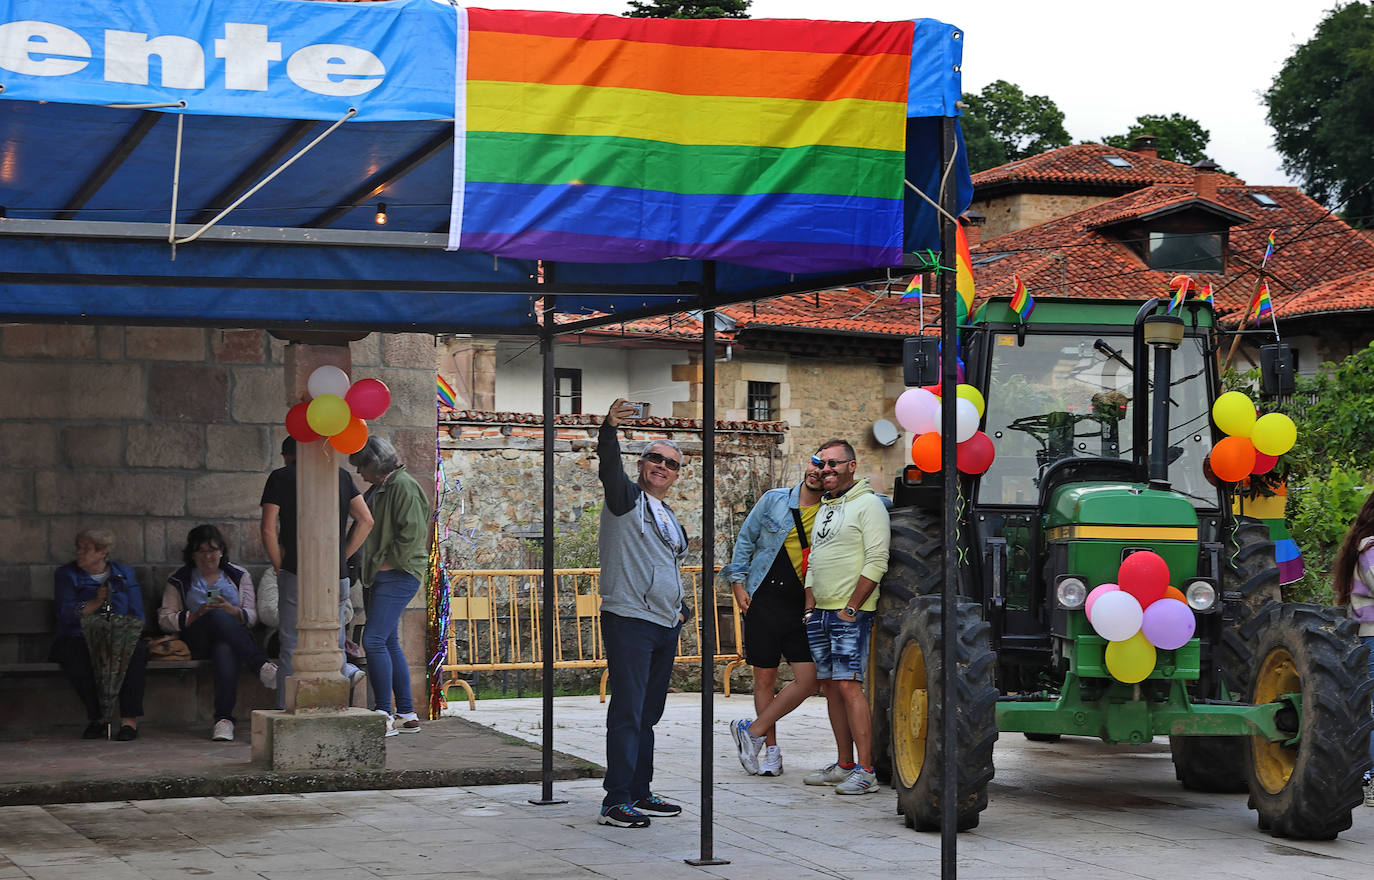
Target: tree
{"points": [[1180, 139], [689, 9], [984, 150], [1022, 125], [1322, 117]]}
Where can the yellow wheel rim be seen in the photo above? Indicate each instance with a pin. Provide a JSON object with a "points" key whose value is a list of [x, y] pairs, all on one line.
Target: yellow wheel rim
{"points": [[1274, 761], [910, 714]]}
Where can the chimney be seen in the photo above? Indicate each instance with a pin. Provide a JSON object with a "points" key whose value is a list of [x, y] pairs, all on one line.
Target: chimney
{"points": [[1144, 144], [973, 221], [1206, 179]]}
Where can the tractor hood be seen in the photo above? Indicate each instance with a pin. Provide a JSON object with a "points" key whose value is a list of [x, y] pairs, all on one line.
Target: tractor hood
{"points": [[1100, 522]]}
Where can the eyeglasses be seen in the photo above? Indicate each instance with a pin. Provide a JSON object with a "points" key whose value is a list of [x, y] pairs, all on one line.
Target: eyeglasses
{"points": [[824, 463], [671, 464]]}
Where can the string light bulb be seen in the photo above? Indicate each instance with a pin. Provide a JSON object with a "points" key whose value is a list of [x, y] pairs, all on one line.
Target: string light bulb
{"points": [[380, 219]]}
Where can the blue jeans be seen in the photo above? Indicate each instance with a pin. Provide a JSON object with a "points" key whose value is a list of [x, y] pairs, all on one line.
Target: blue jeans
{"points": [[387, 669], [227, 643], [288, 614], [639, 658], [839, 647], [1369, 643]]}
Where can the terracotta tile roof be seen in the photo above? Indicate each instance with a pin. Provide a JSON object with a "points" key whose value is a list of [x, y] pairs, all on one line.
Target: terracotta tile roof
{"points": [[1349, 293], [1086, 165]]}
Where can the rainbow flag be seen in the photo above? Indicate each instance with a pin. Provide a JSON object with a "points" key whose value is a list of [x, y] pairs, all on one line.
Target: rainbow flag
{"points": [[1270, 510], [1022, 303], [1179, 285], [1268, 249], [1205, 294], [1261, 306], [446, 396], [769, 143], [963, 274], [913, 290]]}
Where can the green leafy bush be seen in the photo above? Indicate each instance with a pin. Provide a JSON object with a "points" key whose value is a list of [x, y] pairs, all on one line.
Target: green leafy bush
{"points": [[1319, 518]]}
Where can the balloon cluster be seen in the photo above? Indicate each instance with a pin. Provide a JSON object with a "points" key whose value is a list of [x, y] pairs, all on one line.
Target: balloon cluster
{"points": [[918, 411], [337, 410], [1137, 614], [1253, 444]]}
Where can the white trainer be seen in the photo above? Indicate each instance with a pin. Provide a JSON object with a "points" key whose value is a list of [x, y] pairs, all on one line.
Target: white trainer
{"points": [[267, 674], [771, 762], [224, 731]]}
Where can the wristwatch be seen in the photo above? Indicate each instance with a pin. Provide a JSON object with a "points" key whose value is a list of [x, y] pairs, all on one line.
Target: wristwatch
{"points": [[851, 611]]}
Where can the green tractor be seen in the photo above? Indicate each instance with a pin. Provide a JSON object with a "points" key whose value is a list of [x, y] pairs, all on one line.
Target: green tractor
{"points": [[1099, 457]]}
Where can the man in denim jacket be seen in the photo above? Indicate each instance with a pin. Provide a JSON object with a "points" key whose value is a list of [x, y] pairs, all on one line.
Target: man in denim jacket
{"points": [[768, 591]]}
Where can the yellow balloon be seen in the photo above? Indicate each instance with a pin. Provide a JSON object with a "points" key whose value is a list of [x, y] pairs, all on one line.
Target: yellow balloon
{"points": [[1234, 414], [1274, 434], [1132, 660], [327, 415], [972, 395]]}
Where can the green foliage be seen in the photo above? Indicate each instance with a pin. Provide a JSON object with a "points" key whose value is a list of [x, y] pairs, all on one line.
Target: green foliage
{"points": [[1181, 139], [1022, 125], [1319, 520], [576, 546], [1320, 110], [984, 150], [689, 9]]}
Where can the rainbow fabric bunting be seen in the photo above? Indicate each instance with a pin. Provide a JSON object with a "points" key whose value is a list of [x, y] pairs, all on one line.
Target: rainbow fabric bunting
{"points": [[1180, 286], [775, 144], [1022, 303], [913, 290], [1270, 511], [446, 395], [963, 273], [1205, 293]]}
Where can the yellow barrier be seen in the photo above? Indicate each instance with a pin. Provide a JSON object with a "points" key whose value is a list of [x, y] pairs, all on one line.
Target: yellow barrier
{"points": [[497, 614]]}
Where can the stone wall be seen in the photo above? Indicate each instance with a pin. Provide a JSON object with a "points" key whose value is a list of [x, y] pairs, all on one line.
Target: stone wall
{"points": [[149, 431], [1009, 213]]}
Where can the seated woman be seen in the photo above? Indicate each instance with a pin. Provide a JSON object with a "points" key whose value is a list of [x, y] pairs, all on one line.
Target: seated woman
{"points": [[210, 604], [83, 587]]}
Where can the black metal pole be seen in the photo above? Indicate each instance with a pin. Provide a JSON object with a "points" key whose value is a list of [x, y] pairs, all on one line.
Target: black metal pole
{"points": [[548, 594], [706, 586], [949, 589]]}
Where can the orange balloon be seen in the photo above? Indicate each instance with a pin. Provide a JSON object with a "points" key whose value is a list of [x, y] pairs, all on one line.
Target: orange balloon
{"points": [[1175, 593], [925, 452], [1233, 458], [351, 438]]}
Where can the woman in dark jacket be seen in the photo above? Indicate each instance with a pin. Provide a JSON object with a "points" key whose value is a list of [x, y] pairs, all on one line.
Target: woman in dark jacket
{"points": [[83, 587], [210, 604]]}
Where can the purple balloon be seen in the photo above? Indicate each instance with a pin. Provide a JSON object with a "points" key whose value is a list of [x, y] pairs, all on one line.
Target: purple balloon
{"points": [[1168, 624]]}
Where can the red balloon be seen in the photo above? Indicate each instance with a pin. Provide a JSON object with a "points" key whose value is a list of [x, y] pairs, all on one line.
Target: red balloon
{"points": [[368, 398], [1145, 575], [297, 426], [1233, 458], [933, 389], [925, 452], [1264, 463], [975, 455]]}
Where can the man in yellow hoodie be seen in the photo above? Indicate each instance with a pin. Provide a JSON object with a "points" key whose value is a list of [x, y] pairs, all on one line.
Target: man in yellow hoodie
{"points": [[849, 544]]}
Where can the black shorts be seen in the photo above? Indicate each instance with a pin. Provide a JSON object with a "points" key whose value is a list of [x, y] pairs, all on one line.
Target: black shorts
{"points": [[774, 627]]}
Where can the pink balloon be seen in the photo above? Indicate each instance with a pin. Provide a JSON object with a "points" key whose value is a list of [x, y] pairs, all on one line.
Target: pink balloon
{"points": [[1168, 624], [975, 455], [1144, 575], [368, 398], [918, 411], [1092, 598]]}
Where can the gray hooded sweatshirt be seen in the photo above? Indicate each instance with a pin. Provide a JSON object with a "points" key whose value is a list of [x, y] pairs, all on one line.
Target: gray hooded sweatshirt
{"points": [[640, 567]]}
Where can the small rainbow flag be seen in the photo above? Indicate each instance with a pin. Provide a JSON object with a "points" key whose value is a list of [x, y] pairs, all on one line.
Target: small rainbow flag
{"points": [[913, 290], [1268, 249], [1205, 294], [1180, 286], [446, 396], [1261, 306], [963, 274], [1022, 303]]}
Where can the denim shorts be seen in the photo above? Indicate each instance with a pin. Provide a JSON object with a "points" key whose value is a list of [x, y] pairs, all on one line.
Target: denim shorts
{"points": [[839, 647]]}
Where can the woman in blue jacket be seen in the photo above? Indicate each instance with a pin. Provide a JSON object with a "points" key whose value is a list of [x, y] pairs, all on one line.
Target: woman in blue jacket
{"points": [[83, 587]]}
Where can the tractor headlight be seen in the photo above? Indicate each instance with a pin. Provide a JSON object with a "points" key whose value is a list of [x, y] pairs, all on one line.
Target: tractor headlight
{"points": [[1201, 595], [1071, 592]]}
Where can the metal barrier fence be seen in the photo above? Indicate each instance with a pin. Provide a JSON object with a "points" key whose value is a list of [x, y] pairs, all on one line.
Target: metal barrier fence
{"points": [[495, 624]]}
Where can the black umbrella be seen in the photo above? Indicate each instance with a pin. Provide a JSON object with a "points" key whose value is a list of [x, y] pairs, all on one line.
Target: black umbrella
{"points": [[111, 639]]}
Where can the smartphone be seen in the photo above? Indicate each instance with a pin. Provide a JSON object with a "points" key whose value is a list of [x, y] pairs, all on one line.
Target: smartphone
{"points": [[212, 594], [641, 410]]}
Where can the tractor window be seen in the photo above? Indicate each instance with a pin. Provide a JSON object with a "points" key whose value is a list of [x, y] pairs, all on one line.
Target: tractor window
{"points": [[1063, 396]]}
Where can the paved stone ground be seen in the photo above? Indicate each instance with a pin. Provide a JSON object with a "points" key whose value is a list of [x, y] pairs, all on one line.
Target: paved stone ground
{"points": [[1074, 809]]}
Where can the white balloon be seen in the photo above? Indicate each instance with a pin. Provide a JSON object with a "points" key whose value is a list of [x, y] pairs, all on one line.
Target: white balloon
{"points": [[965, 419], [1117, 616], [328, 379], [913, 409]]}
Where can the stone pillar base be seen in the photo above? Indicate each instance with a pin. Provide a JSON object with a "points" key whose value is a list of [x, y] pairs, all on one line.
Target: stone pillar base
{"points": [[350, 739]]}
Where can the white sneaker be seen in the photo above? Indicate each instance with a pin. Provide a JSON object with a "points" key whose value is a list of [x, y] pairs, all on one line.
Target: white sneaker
{"points": [[1369, 793], [405, 723], [771, 763], [224, 731], [748, 745], [268, 675], [386, 716]]}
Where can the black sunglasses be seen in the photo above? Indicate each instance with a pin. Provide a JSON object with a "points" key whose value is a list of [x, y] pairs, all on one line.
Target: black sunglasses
{"points": [[832, 463], [671, 464]]}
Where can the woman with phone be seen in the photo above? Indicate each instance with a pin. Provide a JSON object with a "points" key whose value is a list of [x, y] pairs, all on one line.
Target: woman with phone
{"points": [[209, 603]]}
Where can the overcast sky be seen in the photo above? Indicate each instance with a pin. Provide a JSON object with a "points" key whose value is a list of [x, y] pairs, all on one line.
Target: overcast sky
{"points": [[1103, 64]]}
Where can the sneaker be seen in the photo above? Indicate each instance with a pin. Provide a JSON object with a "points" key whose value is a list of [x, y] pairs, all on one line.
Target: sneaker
{"points": [[653, 805], [1369, 793], [95, 730], [832, 775], [267, 674], [405, 723], [224, 731], [622, 816], [127, 733], [390, 725], [860, 781], [771, 765], [748, 745]]}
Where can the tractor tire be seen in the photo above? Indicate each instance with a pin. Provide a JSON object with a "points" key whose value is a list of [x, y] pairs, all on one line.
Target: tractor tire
{"points": [[1307, 790], [918, 709], [1042, 737], [1217, 763], [916, 567]]}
